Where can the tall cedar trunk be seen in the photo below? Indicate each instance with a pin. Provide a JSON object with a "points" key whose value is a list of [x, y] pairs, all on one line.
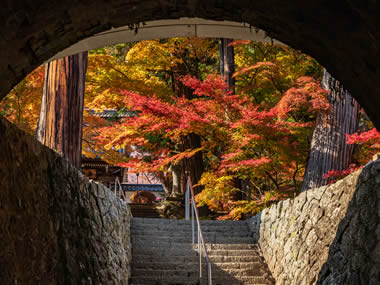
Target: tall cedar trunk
{"points": [[227, 62], [329, 150], [61, 116], [227, 69], [192, 166]]}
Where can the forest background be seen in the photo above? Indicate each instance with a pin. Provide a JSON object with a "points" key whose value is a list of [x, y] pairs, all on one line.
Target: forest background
{"points": [[244, 138]]}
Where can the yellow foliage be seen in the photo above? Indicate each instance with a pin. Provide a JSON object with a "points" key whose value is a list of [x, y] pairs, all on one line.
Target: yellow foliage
{"points": [[22, 105]]}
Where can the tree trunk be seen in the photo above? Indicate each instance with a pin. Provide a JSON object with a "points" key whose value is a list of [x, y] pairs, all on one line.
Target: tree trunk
{"points": [[166, 183], [176, 171], [227, 62], [192, 166], [329, 150], [61, 115], [227, 69]]}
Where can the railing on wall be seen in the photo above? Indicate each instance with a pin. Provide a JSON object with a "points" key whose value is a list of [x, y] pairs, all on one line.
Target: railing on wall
{"points": [[190, 200], [119, 192]]}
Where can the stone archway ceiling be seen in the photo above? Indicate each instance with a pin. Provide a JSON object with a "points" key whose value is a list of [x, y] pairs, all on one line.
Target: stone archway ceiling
{"points": [[183, 27], [344, 36]]}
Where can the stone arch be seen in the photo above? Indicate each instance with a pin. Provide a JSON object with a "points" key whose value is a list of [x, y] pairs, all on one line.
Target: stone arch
{"points": [[342, 35], [183, 27]]}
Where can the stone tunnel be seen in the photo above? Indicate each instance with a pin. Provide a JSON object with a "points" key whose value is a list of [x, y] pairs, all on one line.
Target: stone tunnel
{"points": [[59, 228]]}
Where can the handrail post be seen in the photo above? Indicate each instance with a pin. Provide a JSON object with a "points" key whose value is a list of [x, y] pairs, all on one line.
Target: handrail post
{"points": [[119, 192], [192, 224], [187, 201], [209, 274], [201, 241], [200, 254]]}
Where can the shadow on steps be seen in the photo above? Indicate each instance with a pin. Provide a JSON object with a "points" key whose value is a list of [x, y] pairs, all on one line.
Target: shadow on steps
{"points": [[163, 253]]}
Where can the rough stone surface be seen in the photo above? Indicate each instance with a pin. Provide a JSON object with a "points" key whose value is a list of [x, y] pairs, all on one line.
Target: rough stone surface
{"points": [[56, 226], [342, 35], [327, 235], [163, 253]]}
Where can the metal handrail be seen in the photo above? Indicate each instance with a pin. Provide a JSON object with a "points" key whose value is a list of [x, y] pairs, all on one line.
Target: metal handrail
{"points": [[194, 209], [120, 194]]}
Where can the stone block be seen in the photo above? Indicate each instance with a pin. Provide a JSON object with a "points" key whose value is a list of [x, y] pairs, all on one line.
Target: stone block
{"points": [[75, 232], [326, 233]]}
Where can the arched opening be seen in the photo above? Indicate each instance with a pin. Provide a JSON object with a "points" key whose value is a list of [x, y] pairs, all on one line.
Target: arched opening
{"points": [[167, 28], [162, 29], [308, 29], [123, 67]]}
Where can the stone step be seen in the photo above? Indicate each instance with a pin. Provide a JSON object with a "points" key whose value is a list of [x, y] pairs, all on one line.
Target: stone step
{"points": [[144, 211], [188, 239], [144, 214], [195, 265], [171, 222], [164, 252], [183, 233], [193, 273], [140, 258], [187, 228], [187, 281], [153, 221], [209, 246], [209, 237]]}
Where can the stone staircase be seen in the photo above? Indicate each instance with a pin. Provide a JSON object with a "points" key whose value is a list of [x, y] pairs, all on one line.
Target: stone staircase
{"points": [[144, 210], [163, 253]]}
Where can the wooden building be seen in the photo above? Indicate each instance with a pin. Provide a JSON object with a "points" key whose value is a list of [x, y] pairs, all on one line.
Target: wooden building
{"points": [[101, 171]]}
